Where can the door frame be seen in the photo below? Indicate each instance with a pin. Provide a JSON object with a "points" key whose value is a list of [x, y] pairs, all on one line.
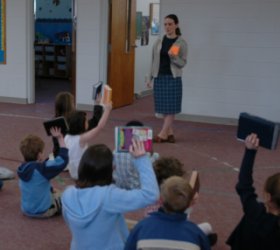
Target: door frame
{"points": [[30, 60]]}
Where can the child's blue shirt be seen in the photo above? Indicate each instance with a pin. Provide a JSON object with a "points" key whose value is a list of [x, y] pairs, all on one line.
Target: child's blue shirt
{"points": [[34, 182], [95, 214]]}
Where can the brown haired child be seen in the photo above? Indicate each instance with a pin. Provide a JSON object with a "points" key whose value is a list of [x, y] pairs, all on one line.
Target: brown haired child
{"points": [[169, 228], [37, 196]]}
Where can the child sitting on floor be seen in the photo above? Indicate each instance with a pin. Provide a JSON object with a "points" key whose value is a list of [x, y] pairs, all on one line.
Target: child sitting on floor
{"points": [[259, 228], [169, 228], [65, 105], [37, 196], [166, 167], [78, 137], [125, 174], [93, 208]]}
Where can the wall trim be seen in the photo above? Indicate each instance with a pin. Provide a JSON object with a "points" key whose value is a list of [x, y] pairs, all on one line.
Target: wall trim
{"points": [[208, 119], [144, 93], [84, 107], [13, 100], [184, 117]]}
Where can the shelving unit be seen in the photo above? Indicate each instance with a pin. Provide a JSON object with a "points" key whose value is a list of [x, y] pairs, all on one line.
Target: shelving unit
{"points": [[53, 60]]}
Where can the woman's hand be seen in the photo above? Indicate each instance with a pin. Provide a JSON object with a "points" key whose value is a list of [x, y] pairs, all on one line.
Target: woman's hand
{"points": [[150, 84], [252, 141]]}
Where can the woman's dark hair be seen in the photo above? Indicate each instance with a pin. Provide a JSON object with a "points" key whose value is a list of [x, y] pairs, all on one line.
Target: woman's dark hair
{"points": [[96, 167], [176, 21], [272, 186], [76, 122]]}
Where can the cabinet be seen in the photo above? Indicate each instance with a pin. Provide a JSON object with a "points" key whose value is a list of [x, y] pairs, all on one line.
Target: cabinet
{"points": [[53, 60]]}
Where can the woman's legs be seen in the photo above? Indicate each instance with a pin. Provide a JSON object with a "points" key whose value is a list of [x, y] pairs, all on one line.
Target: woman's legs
{"points": [[167, 126]]}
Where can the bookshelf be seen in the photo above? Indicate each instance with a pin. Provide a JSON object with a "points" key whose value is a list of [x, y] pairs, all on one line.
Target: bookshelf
{"points": [[53, 60]]}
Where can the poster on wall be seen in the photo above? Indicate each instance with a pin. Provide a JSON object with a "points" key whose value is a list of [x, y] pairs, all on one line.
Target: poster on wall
{"points": [[154, 18], [2, 32]]}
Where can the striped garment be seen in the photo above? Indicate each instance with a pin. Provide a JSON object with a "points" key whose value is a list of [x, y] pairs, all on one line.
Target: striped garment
{"points": [[168, 94]]}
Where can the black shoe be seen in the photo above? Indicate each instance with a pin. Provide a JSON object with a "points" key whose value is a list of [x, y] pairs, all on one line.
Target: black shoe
{"points": [[213, 238]]}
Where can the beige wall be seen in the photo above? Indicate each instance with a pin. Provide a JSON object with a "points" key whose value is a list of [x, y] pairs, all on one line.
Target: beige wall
{"points": [[233, 62], [234, 56]]}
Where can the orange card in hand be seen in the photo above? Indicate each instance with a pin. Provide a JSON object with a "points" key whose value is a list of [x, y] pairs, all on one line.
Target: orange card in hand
{"points": [[174, 49]]}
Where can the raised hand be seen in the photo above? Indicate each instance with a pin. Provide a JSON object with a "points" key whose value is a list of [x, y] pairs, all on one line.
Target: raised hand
{"points": [[137, 148], [252, 141]]}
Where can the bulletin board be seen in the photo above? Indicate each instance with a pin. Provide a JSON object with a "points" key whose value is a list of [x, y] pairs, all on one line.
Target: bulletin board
{"points": [[2, 32]]}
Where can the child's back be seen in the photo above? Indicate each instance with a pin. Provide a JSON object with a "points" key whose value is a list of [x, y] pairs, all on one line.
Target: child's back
{"points": [[93, 209], [168, 228], [35, 173], [79, 137]]}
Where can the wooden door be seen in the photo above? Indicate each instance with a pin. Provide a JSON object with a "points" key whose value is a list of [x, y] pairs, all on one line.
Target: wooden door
{"points": [[122, 35]]}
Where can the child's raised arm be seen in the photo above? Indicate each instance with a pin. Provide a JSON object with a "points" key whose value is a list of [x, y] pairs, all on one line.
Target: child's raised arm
{"points": [[88, 136]]}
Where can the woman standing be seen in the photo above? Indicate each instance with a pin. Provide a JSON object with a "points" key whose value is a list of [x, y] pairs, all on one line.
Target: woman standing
{"points": [[169, 57]]}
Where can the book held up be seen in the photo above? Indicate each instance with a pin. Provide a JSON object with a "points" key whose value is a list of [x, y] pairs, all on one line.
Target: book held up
{"points": [[58, 122], [124, 135], [267, 131], [102, 92]]}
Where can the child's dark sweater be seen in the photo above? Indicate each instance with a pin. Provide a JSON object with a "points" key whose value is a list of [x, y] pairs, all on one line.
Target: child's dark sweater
{"points": [[257, 230]]}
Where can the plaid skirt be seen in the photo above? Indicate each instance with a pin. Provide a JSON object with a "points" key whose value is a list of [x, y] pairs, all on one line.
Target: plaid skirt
{"points": [[168, 94]]}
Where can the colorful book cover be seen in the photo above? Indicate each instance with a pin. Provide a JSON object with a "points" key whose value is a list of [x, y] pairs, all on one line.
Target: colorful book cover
{"points": [[124, 135]]}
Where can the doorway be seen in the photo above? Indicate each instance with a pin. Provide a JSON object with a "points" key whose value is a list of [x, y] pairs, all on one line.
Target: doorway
{"points": [[53, 48]]}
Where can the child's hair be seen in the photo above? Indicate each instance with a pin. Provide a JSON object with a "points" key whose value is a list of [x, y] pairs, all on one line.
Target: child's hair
{"points": [[77, 122], [30, 147], [64, 104], [134, 123], [176, 194], [96, 167], [165, 167], [272, 186]]}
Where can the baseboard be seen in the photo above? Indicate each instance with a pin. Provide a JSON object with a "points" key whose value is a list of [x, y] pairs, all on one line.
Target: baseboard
{"points": [[183, 117], [84, 107], [13, 100], [143, 93], [207, 119]]}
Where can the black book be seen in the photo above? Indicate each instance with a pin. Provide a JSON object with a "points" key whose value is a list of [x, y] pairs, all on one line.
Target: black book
{"points": [[59, 122], [267, 131], [97, 90]]}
